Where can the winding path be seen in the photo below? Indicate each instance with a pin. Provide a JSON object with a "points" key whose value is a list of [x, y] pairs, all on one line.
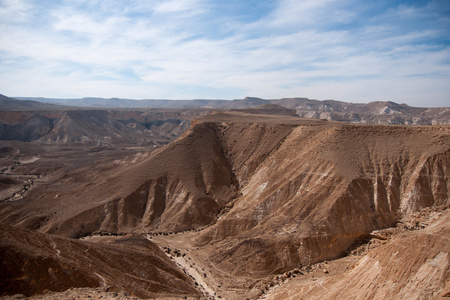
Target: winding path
{"points": [[192, 272]]}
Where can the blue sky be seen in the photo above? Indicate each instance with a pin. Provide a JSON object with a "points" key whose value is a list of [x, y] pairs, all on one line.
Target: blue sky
{"points": [[348, 50]]}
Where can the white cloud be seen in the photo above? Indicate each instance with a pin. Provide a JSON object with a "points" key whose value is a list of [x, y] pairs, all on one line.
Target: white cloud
{"points": [[292, 12], [174, 6], [317, 49], [15, 11]]}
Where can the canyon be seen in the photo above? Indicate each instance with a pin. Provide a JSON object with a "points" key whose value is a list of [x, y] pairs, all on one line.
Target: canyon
{"points": [[250, 202]]}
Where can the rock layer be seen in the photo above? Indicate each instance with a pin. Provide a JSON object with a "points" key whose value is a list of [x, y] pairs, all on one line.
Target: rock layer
{"points": [[412, 265]]}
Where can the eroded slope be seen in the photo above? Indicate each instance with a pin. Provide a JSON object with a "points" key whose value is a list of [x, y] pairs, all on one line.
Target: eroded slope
{"points": [[324, 186], [33, 263], [410, 265]]}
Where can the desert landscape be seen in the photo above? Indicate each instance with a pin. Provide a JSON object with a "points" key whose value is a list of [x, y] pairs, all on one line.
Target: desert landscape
{"points": [[216, 199]]}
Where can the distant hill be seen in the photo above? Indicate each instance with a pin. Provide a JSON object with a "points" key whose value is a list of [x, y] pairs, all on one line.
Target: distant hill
{"points": [[130, 103], [32, 129], [93, 126], [269, 109], [378, 112], [7, 103]]}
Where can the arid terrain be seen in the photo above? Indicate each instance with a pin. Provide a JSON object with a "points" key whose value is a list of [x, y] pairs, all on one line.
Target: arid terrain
{"points": [[251, 202], [378, 112]]}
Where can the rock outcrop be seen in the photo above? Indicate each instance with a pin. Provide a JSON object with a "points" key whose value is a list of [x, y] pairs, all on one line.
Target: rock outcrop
{"points": [[325, 185], [411, 265]]}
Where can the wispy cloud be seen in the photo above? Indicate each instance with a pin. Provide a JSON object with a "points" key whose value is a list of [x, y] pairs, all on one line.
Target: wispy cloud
{"points": [[347, 50]]}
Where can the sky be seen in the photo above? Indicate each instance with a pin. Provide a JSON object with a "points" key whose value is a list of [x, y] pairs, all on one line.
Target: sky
{"points": [[347, 50]]}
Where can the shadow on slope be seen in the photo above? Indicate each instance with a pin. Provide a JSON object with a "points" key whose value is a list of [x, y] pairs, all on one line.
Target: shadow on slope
{"points": [[33, 263]]}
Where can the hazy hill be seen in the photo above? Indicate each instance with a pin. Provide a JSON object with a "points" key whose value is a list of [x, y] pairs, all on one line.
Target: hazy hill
{"points": [[268, 109], [130, 103], [371, 113], [7, 103]]}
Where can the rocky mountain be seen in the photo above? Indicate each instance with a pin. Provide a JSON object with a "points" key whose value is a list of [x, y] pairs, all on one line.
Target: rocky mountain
{"points": [[27, 120], [94, 127], [371, 113], [31, 129], [251, 196]]}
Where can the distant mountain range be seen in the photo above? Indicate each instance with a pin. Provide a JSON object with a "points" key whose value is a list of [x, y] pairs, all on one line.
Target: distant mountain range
{"points": [[365, 113], [28, 120], [132, 103], [7, 103]]}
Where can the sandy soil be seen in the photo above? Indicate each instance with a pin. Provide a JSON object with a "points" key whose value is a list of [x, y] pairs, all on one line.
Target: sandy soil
{"points": [[195, 261]]}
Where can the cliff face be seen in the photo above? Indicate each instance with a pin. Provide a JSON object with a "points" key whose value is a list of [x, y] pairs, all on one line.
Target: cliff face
{"points": [[322, 187], [409, 265], [271, 192]]}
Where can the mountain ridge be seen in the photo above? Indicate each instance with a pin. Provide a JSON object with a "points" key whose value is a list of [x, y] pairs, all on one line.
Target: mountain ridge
{"points": [[377, 112]]}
